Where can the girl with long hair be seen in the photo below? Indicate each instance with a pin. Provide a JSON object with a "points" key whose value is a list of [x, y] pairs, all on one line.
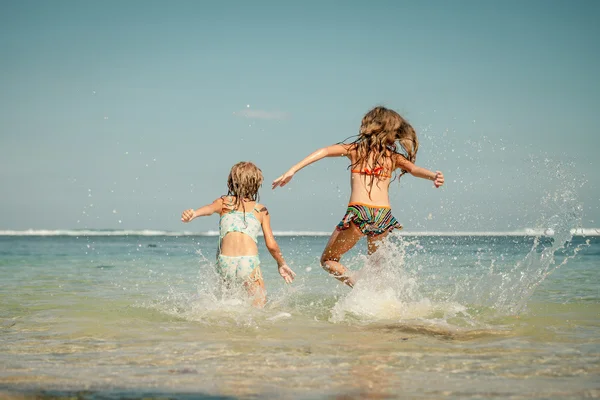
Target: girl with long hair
{"points": [[386, 143]]}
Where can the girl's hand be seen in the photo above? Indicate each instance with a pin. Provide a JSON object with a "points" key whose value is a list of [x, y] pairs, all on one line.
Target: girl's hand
{"points": [[187, 215], [283, 179], [286, 273], [439, 179]]}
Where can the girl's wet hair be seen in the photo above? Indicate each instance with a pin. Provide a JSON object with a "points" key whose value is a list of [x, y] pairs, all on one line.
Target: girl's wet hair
{"points": [[383, 132], [243, 182]]}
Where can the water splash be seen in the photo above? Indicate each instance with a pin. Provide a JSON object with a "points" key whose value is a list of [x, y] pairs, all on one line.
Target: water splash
{"points": [[218, 303], [212, 302], [469, 285], [389, 287], [560, 211]]}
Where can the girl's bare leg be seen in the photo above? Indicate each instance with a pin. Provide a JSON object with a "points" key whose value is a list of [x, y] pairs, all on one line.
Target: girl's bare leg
{"points": [[373, 242], [255, 286], [339, 243]]}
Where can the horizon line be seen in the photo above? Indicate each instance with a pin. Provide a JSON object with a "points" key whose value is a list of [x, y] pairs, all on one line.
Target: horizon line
{"points": [[210, 233]]}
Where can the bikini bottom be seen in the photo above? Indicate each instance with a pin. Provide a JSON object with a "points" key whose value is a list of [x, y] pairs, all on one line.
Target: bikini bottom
{"points": [[239, 268], [371, 220]]}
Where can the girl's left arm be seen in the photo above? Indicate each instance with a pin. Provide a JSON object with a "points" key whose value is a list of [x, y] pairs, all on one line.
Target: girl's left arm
{"points": [[335, 150], [437, 177], [209, 209], [286, 272]]}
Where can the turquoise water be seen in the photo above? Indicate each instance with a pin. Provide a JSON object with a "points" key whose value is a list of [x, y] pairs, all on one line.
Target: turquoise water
{"points": [[430, 317]]}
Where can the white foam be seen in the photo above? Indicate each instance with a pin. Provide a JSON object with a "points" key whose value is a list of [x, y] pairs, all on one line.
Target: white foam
{"points": [[144, 232], [523, 232], [586, 232], [281, 315], [90, 232]]}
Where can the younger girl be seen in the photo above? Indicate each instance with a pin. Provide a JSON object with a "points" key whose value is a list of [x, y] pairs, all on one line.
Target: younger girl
{"points": [[373, 158], [241, 219]]}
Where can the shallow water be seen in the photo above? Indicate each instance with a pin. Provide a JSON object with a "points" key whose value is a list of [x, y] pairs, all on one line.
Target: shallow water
{"points": [[431, 316]]}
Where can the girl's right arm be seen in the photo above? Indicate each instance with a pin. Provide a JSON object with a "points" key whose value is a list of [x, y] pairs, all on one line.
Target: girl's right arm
{"points": [[209, 209], [335, 150]]}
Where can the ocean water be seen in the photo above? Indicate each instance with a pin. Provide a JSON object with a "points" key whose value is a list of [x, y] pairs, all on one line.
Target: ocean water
{"points": [[123, 315]]}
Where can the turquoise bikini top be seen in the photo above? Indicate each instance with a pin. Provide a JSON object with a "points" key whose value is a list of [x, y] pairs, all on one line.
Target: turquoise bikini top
{"points": [[238, 221]]}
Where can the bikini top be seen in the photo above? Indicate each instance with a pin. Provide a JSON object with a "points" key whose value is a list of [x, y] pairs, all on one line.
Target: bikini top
{"points": [[378, 172], [239, 221]]}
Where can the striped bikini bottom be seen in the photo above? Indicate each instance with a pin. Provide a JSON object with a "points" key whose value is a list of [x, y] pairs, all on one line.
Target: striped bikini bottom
{"points": [[371, 220]]}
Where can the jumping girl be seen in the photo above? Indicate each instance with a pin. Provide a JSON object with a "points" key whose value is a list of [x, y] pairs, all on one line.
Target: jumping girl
{"points": [[373, 158]]}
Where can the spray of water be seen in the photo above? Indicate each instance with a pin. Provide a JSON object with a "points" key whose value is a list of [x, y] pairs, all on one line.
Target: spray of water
{"points": [[213, 302], [389, 287], [560, 211], [400, 281]]}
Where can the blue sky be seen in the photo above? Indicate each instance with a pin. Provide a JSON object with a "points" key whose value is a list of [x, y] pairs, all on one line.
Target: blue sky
{"points": [[118, 115]]}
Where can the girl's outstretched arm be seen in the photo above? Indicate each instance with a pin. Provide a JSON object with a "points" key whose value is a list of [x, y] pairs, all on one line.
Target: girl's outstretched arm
{"points": [[437, 177], [209, 209], [335, 150], [286, 272]]}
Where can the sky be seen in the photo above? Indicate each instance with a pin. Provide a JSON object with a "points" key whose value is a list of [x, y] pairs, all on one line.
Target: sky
{"points": [[120, 115]]}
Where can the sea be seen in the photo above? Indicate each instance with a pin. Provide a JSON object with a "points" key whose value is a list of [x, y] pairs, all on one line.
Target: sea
{"points": [[142, 314]]}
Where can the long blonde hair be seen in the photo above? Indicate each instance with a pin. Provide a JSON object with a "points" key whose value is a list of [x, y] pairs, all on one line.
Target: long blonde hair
{"points": [[243, 182], [383, 132]]}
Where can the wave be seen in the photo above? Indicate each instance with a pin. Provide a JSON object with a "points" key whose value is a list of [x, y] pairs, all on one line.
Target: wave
{"points": [[148, 232], [524, 232], [143, 232], [91, 232]]}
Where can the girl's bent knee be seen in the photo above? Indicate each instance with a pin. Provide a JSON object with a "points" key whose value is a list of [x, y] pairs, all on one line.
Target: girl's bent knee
{"points": [[327, 258], [327, 265], [324, 261]]}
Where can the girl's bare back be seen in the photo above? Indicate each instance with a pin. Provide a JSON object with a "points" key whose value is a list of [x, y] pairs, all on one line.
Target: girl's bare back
{"points": [[369, 183]]}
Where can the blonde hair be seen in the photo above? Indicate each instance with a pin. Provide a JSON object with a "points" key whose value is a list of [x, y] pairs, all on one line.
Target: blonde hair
{"points": [[382, 131], [243, 182]]}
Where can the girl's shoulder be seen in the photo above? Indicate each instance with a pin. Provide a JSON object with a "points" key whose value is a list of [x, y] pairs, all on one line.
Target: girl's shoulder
{"points": [[261, 209], [348, 150], [397, 156], [228, 203], [349, 147], [400, 160], [227, 199]]}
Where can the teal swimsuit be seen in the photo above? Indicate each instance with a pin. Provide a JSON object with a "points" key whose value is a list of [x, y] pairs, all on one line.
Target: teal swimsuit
{"points": [[238, 267]]}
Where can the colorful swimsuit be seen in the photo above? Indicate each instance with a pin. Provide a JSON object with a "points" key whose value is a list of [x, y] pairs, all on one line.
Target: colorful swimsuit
{"points": [[238, 267], [371, 220]]}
